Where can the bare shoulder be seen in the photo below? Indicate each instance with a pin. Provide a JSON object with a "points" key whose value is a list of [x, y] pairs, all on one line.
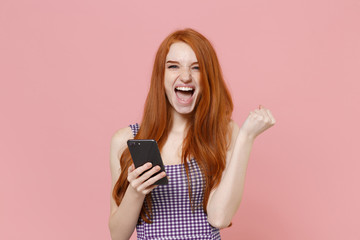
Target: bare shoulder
{"points": [[118, 144], [119, 138]]}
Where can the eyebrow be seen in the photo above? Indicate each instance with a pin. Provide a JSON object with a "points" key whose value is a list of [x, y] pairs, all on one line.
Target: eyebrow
{"points": [[179, 63]]}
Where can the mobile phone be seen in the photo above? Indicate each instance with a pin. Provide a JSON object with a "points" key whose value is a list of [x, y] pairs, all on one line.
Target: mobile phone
{"points": [[147, 150]]}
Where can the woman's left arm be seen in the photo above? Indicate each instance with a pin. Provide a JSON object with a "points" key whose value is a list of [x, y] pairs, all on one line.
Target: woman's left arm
{"points": [[225, 199]]}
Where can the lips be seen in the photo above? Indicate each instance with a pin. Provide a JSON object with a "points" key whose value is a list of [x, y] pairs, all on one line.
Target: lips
{"points": [[184, 93]]}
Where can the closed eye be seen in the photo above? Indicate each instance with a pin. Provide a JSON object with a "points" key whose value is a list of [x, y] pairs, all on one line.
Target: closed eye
{"points": [[173, 66]]}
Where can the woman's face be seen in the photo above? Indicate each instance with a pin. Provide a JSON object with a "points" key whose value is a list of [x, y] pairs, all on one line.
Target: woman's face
{"points": [[182, 78]]}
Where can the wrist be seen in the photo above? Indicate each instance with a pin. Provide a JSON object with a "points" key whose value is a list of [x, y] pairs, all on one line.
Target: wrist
{"points": [[135, 194], [245, 136]]}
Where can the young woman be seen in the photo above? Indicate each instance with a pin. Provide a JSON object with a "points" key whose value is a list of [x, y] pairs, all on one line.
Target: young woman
{"points": [[188, 112]]}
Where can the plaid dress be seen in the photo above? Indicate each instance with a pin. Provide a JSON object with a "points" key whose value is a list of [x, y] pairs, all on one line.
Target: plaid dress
{"points": [[173, 216]]}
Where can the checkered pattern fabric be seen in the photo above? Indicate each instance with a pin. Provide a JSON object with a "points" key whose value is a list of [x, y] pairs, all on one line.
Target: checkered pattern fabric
{"points": [[173, 216], [134, 128]]}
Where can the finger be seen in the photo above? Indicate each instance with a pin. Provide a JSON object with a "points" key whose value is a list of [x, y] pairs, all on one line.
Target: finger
{"points": [[259, 113], [131, 168], [264, 111], [271, 116], [151, 181], [147, 175], [135, 173], [142, 169], [261, 107]]}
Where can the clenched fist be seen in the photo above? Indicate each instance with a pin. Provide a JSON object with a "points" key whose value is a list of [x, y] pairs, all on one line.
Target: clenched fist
{"points": [[257, 122]]}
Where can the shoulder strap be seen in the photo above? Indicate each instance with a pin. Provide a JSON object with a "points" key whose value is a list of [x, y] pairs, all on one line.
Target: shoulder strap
{"points": [[134, 128]]}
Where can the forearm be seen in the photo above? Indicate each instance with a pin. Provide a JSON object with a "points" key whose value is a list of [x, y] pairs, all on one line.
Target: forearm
{"points": [[123, 221], [226, 198]]}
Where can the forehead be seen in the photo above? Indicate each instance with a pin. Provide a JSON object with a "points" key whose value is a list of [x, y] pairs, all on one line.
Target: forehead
{"points": [[181, 52]]}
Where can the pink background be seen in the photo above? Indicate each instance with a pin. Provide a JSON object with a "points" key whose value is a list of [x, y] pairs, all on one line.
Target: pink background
{"points": [[73, 72]]}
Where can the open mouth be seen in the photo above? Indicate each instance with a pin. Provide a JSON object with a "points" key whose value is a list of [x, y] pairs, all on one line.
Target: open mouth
{"points": [[184, 93]]}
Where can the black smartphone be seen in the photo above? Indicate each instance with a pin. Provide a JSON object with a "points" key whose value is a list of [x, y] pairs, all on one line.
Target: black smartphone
{"points": [[147, 150]]}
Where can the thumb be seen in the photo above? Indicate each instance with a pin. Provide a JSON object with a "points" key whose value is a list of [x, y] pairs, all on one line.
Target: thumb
{"points": [[131, 168]]}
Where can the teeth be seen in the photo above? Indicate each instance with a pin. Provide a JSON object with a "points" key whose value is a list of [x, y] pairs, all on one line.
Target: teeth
{"points": [[184, 88]]}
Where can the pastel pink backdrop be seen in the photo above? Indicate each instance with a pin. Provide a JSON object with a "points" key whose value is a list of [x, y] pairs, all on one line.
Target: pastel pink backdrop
{"points": [[74, 72]]}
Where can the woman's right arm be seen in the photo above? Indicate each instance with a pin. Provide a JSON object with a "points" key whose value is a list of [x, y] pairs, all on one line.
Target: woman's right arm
{"points": [[123, 218]]}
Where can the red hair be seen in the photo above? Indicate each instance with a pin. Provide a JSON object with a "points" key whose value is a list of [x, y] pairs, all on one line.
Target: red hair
{"points": [[208, 137]]}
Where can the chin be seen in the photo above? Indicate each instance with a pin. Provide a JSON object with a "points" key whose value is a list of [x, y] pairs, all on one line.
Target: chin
{"points": [[184, 110]]}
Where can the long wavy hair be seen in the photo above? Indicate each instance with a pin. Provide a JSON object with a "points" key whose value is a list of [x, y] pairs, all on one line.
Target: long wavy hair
{"points": [[208, 135]]}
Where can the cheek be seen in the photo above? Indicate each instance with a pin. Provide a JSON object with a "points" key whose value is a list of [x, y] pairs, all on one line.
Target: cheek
{"points": [[198, 81], [166, 82], [167, 85], [167, 77]]}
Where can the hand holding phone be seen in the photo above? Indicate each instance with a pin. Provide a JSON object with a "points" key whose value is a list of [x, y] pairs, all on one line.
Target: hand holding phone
{"points": [[147, 150]]}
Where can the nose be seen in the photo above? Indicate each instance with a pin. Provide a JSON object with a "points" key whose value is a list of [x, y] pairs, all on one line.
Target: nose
{"points": [[185, 75]]}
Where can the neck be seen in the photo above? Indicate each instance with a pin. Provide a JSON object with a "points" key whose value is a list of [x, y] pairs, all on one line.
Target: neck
{"points": [[179, 122]]}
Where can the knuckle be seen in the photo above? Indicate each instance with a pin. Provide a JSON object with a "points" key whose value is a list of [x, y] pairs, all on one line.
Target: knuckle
{"points": [[130, 178]]}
